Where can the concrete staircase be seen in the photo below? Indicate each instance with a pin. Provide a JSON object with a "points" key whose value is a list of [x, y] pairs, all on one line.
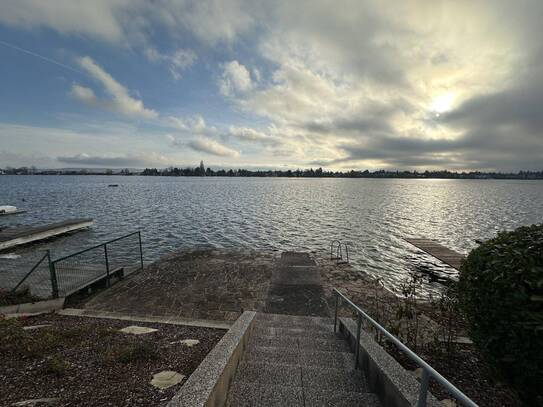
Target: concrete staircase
{"points": [[298, 361]]}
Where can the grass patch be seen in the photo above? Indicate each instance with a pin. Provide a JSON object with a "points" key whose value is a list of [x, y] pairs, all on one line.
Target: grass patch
{"points": [[131, 352], [56, 366]]}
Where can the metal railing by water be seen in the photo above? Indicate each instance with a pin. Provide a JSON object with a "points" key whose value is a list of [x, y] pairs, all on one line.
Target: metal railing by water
{"points": [[118, 256], [427, 370], [47, 256], [338, 246]]}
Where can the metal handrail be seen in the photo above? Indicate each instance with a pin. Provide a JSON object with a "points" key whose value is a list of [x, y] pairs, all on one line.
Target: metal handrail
{"points": [[332, 245], [97, 246], [427, 370]]}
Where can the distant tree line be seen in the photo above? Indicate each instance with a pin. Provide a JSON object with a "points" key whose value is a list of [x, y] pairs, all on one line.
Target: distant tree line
{"points": [[320, 173], [306, 173]]}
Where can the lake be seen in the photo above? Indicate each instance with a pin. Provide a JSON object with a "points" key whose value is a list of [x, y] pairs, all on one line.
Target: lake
{"points": [[371, 215]]}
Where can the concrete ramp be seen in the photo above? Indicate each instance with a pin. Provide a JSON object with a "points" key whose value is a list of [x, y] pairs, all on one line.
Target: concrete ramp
{"points": [[296, 287]]}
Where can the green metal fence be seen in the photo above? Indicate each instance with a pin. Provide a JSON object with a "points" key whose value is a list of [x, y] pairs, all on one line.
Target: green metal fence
{"points": [[117, 257], [61, 277]]}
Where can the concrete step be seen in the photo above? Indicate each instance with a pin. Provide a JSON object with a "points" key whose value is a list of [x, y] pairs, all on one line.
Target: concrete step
{"points": [[275, 374], [297, 357], [263, 317], [333, 398], [294, 332], [244, 394], [324, 378], [301, 343]]}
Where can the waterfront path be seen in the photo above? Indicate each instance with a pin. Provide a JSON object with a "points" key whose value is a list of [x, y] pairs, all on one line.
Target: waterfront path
{"points": [[218, 285]]}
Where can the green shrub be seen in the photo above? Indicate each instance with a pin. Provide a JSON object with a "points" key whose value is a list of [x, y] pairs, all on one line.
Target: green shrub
{"points": [[501, 296]]}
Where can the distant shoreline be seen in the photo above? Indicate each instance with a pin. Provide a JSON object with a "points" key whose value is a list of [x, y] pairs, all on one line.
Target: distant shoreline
{"points": [[311, 173]]}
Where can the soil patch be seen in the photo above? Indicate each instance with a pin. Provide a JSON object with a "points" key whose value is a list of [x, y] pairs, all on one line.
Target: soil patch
{"points": [[88, 362]]}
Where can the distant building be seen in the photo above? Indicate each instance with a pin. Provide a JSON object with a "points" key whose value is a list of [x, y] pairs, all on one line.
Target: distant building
{"points": [[202, 168]]}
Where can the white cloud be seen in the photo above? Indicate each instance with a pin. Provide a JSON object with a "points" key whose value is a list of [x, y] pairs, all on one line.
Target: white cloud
{"points": [[116, 161], [235, 79], [120, 102], [177, 62], [206, 145], [247, 134], [128, 22], [102, 19], [194, 125]]}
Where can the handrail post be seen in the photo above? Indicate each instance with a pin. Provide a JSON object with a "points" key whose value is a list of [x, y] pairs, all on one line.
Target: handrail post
{"points": [[423, 393], [335, 312], [108, 283], [357, 348], [53, 275], [141, 251]]}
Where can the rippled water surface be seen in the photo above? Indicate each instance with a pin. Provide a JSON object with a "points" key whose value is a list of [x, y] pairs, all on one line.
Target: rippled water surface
{"points": [[372, 215]]}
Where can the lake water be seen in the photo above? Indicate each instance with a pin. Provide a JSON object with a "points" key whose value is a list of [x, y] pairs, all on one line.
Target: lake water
{"points": [[371, 215]]}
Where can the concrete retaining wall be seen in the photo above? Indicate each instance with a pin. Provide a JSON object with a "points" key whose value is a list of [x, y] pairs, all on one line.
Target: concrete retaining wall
{"points": [[33, 307], [395, 386], [209, 383]]}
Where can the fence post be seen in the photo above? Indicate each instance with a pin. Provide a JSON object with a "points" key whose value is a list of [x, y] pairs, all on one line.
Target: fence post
{"points": [[423, 393], [53, 275], [107, 266], [141, 251], [335, 312]]}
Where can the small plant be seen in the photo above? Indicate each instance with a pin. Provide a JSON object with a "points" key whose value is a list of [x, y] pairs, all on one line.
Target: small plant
{"points": [[55, 365], [11, 334], [133, 352], [407, 313]]}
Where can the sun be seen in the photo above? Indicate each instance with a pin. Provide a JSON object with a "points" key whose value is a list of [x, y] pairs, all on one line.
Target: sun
{"points": [[442, 103]]}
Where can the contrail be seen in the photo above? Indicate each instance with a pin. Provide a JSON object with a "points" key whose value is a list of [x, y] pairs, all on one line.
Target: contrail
{"points": [[52, 61]]}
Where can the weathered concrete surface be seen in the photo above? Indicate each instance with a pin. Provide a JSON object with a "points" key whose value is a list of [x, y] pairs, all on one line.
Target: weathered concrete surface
{"points": [[199, 284], [218, 285], [208, 385], [297, 361], [296, 287]]}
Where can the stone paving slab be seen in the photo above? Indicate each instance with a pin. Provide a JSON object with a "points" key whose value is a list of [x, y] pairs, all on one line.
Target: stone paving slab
{"points": [[137, 330], [193, 284]]}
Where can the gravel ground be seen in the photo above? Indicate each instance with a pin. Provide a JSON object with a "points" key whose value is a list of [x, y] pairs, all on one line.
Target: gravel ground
{"points": [[87, 362]]}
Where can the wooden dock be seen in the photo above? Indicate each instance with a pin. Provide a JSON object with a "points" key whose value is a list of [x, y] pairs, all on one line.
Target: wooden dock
{"points": [[17, 236], [438, 251], [12, 213]]}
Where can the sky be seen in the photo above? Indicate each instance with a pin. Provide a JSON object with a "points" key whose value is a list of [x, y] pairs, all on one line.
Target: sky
{"points": [[362, 84]]}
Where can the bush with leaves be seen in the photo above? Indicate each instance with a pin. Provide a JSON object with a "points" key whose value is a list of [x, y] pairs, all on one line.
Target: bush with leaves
{"points": [[501, 295]]}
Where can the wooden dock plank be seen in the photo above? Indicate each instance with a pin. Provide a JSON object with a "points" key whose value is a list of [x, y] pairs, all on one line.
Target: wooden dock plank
{"points": [[438, 251], [12, 213], [16, 236]]}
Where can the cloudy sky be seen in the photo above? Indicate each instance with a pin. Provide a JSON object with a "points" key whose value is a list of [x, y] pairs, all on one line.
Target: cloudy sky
{"points": [[341, 84]]}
